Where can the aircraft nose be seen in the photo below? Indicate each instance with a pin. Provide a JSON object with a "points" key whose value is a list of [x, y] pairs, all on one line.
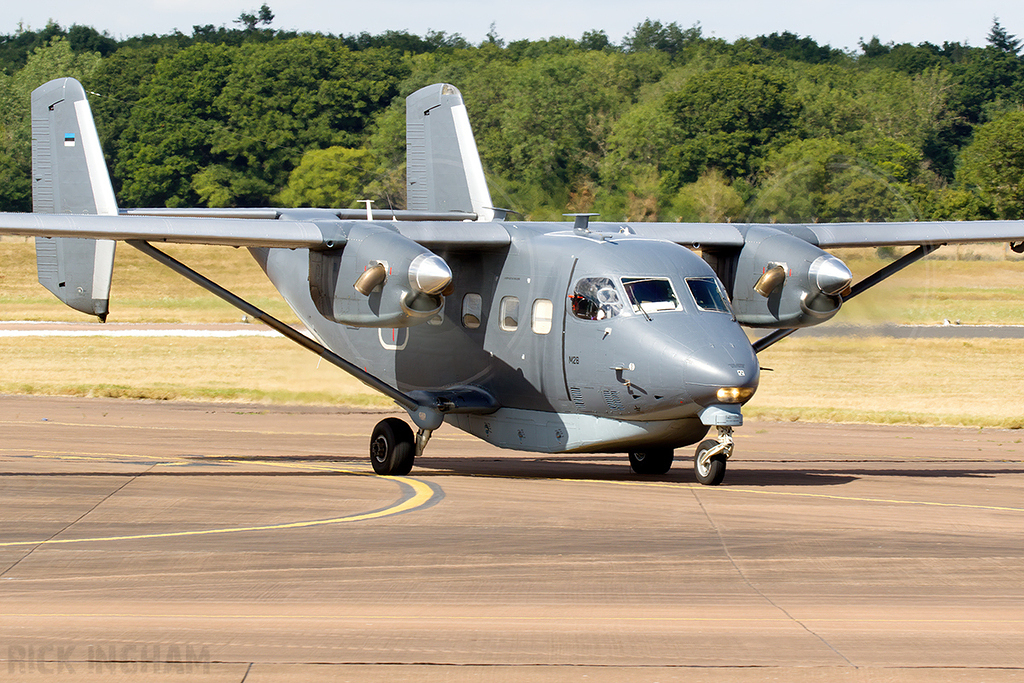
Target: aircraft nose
{"points": [[724, 373]]}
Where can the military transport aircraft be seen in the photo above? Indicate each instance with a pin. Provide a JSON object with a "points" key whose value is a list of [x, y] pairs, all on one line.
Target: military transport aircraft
{"points": [[549, 337]]}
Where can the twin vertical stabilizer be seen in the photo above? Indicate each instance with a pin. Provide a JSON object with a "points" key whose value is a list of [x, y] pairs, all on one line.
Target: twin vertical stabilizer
{"points": [[443, 166], [69, 176]]}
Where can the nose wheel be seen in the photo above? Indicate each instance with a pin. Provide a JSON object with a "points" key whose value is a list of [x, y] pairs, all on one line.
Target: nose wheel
{"points": [[711, 456]]}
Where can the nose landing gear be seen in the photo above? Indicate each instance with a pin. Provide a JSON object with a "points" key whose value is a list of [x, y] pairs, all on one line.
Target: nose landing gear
{"points": [[711, 456]]}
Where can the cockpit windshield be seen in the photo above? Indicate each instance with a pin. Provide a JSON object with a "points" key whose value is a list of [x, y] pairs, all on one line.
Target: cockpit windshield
{"points": [[598, 298], [707, 294], [595, 298], [650, 295]]}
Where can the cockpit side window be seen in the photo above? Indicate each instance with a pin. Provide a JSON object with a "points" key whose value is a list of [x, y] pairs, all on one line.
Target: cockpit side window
{"points": [[649, 295], [595, 298], [707, 294]]}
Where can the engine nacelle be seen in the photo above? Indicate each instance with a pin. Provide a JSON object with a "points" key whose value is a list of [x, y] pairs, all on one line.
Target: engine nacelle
{"points": [[782, 281], [379, 279]]}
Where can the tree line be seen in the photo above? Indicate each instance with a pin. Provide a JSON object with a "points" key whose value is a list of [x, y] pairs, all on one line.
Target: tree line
{"points": [[669, 124]]}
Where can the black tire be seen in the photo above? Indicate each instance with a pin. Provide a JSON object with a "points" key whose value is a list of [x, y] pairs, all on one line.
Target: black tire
{"points": [[653, 461], [714, 473], [392, 447]]}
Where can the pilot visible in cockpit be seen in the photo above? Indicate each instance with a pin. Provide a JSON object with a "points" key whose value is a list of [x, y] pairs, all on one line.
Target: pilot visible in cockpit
{"points": [[595, 298]]}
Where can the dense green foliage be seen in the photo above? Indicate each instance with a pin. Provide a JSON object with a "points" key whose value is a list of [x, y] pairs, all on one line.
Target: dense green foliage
{"points": [[669, 125]]}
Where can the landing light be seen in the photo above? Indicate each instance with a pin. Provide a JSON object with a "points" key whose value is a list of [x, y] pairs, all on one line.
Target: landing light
{"points": [[734, 394]]}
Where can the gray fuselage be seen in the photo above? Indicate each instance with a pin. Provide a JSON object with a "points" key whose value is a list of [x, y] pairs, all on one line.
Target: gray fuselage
{"points": [[588, 342]]}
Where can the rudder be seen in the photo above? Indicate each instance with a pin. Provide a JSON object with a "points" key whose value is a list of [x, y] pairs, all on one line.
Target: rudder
{"points": [[69, 176]]}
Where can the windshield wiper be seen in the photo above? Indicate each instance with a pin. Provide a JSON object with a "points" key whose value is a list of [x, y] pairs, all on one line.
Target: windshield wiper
{"points": [[641, 307]]}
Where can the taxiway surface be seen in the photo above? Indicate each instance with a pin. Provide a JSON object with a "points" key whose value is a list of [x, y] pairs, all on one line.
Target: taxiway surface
{"points": [[221, 542]]}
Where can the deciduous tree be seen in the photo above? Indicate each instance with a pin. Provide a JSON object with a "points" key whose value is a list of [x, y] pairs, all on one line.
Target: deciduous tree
{"points": [[336, 177], [993, 165], [729, 119]]}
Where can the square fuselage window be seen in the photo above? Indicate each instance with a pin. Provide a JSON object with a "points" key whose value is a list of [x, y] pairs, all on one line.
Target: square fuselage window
{"points": [[509, 313], [472, 307], [541, 317]]}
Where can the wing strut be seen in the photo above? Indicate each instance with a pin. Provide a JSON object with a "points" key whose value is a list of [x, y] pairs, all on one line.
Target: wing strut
{"points": [[404, 400], [865, 284]]}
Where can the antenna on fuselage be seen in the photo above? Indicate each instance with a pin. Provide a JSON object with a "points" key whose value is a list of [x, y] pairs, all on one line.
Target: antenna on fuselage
{"points": [[502, 214], [581, 222], [369, 209]]}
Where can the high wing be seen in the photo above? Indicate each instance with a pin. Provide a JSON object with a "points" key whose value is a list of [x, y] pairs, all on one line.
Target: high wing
{"points": [[320, 232], [837, 235], [242, 232]]}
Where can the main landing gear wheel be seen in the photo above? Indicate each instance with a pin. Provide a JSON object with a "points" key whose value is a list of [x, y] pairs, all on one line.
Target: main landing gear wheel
{"points": [[654, 461], [392, 447]]}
